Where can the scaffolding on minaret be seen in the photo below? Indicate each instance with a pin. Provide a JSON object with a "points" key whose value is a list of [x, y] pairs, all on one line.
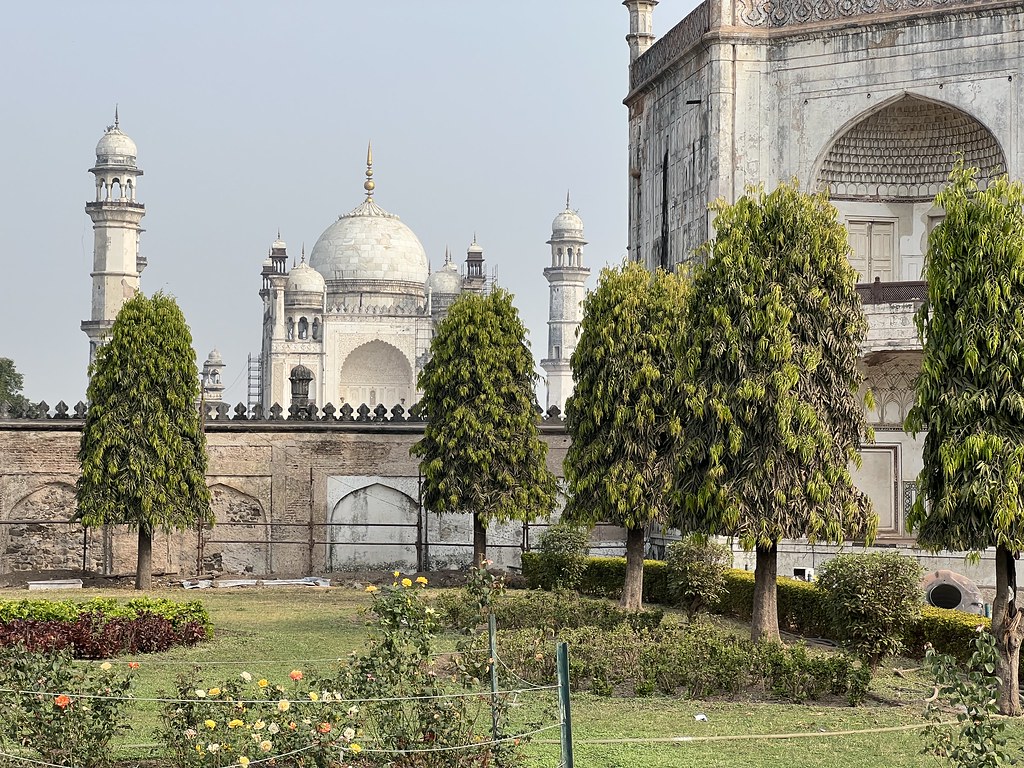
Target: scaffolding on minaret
{"points": [[255, 391]]}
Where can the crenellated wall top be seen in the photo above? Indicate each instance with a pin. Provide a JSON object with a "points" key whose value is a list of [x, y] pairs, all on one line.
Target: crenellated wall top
{"points": [[220, 412]]}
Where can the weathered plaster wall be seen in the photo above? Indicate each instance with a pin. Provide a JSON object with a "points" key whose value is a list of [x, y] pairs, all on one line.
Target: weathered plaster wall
{"points": [[275, 486]]}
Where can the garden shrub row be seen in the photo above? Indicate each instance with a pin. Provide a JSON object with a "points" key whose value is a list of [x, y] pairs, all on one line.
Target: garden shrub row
{"points": [[558, 610], [802, 609], [604, 576], [103, 627], [697, 660]]}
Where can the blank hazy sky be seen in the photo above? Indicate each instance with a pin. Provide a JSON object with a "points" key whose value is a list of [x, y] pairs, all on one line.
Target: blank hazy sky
{"points": [[253, 116]]}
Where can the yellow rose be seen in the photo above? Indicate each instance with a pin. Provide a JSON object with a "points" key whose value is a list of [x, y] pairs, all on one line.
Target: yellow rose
{"points": [[215, 691], [258, 725], [313, 696], [356, 749], [265, 745], [210, 724], [262, 683], [243, 761], [106, 666], [421, 580], [236, 723], [282, 705], [371, 589], [406, 582], [397, 574]]}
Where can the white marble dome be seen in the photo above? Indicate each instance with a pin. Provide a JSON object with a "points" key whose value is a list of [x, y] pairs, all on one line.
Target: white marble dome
{"points": [[115, 148], [302, 278], [446, 280], [567, 224], [370, 250]]}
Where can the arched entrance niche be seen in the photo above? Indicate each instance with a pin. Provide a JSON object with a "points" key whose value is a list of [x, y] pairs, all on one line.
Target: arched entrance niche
{"points": [[365, 518], [42, 537], [883, 170], [237, 543], [376, 372]]}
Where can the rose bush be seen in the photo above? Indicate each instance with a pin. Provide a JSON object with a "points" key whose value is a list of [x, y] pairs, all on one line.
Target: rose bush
{"points": [[244, 720], [64, 712]]}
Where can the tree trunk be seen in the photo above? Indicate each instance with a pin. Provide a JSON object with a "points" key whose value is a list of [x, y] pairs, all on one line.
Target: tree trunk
{"points": [[764, 621], [144, 567], [1008, 628], [633, 587], [479, 541]]}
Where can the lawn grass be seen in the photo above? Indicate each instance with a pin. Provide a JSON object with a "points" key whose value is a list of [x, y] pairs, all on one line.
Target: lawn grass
{"points": [[269, 632]]}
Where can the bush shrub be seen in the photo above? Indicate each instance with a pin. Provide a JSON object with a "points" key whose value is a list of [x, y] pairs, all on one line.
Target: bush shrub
{"points": [[979, 738], [247, 720], [696, 569], [800, 606], [102, 627], [536, 608], [802, 609], [563, 556], [871, 600], [697, 660], [948, 631], [79, 709]]}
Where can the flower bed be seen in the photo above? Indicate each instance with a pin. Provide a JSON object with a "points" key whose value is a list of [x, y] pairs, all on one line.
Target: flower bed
{"points": [[103, 627]]}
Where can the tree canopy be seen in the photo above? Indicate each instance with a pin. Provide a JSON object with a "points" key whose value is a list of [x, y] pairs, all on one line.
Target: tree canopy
{"points": [[480, 451], [11, 385], [970, 396], [619, 465], [769, 384], [143, 451]]}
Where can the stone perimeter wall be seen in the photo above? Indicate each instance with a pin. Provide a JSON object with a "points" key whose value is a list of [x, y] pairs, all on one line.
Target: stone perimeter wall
{"points": [[275, 486]]}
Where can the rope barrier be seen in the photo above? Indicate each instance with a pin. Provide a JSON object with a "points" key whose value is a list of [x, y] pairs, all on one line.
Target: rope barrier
{"points": [[254, 761], [474, 745], [746, 736], [273, 702]]}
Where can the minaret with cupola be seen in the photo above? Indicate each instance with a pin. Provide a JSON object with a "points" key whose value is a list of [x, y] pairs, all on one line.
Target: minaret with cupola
{"points": [[475, 279], [116, 218], [641, 26], [567, 279]]}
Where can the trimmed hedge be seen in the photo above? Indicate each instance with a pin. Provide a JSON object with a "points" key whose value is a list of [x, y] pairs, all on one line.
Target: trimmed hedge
{"points": [[604, 576], [949, 631], [103, 627], [801, 607], [800, 603]]}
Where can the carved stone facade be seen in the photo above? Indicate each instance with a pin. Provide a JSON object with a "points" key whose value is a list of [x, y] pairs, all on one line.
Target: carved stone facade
{"points": [[786, 13], [869, 100]]}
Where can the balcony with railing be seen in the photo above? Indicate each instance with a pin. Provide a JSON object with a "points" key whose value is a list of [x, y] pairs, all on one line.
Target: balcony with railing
{"points": [[890, 309]]}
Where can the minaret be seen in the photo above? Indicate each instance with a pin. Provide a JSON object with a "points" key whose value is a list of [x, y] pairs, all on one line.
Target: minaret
{"points": [[213, 378], [641, 26], [475, 279], [567, 277], [116, 216]]}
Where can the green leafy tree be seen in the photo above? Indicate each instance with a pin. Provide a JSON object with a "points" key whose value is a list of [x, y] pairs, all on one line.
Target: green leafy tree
{"points": [[480, 451], [619, 464], [11, 384], [969, 394], [143, 450], [769, 385]]}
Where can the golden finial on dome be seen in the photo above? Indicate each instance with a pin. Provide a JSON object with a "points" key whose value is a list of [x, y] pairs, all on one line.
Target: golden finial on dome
{"points": [[368, 185]]}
